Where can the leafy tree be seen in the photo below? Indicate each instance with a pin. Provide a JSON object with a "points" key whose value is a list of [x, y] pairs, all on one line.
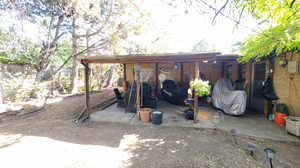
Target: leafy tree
{"points": [[282, 32], [51, 16], [279, 21], [203, 46]]}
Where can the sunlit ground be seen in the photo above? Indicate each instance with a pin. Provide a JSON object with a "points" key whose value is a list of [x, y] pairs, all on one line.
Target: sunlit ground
{"points": [[36, 152]]}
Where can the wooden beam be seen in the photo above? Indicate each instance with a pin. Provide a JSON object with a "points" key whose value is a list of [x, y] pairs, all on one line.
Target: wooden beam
{"points": [[142, 58], [196, 98], [124, 76], [181, 72], [269, 73], [87, 87], [223, 70], [138, 89], [156, 78]]}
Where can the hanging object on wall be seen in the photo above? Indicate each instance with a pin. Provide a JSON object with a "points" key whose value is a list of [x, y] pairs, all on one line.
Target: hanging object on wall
{"points": [[137, 68], [162, 77], [283, 62], [176, 66], [293, 67]]}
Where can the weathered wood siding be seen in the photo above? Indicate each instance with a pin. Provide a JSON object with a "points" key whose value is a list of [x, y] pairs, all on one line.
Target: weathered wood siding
{"points": [[209, 71]]}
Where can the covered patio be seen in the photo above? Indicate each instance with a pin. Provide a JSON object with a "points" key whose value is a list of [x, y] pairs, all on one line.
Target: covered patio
{"points": [[255, 126], [156, 68], [185, 67]]}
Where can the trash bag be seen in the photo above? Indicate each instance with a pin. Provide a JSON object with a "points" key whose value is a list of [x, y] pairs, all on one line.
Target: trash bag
{"points": [[268, 90], [227, 99]]}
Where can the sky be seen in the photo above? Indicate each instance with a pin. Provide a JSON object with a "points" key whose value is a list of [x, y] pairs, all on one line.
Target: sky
{"points": [[182, 27], [185, 29]]}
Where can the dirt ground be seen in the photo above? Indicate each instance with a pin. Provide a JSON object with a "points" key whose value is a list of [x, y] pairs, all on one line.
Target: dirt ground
{"points": [[51, 139]]}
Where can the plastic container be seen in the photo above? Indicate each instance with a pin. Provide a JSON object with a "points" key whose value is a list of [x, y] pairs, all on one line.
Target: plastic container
{"points": [[280, 114], [293, 125], [145, 114], [156, 117], [279, 118]]}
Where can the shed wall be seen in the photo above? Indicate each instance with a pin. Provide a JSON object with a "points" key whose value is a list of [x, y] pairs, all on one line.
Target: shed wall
{"points": [[287, 86], [208, 71]]}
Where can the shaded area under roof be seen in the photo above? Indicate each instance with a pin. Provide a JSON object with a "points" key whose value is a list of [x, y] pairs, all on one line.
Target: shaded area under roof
{"points": [[154, 58]]}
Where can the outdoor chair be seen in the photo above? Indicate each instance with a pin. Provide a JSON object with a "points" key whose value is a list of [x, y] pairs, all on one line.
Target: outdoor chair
{"points": [[119, 97]]}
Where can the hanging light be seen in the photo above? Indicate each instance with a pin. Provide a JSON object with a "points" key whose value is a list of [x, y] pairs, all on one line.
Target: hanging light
{"points": [[176, 66]]}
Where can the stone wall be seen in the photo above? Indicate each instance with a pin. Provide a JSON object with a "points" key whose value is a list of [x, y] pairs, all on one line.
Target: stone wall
{"points": [[287, 86], [15, 69]]}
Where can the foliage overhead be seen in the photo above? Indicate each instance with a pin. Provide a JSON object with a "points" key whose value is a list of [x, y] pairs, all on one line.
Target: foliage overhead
{"points": [[278, 29], [281, 34]]}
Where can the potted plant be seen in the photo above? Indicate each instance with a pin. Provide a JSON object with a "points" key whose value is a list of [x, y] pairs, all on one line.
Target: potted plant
{"points": [[201, 88]]}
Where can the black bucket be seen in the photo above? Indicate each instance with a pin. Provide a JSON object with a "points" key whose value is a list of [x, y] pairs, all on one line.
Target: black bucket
{"points": [[156, 117]]}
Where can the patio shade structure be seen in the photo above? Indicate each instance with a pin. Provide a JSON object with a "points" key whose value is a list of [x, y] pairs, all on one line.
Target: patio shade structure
{"points": [[137, 59]]}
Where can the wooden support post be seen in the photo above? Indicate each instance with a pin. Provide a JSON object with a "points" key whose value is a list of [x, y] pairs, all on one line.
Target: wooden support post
{"points": [[269, 73], [181, 72], [196, 98], [87, 87], [124, 76], [138, 89], [84, 115], [156, 78], [223, 70]]}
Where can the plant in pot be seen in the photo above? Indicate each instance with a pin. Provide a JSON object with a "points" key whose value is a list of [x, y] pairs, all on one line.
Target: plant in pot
{"points": [[201, 88]]}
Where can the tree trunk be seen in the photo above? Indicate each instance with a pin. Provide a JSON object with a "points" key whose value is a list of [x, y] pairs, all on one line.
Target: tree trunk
{"points": [[1, 87], [74, 75]]}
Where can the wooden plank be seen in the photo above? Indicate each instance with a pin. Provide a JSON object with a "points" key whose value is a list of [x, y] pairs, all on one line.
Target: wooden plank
{"points": [[87, 87], [181, 72], [124, 72], [223, 70], [141, 58], [125, 77], [156, 78], [138, 91], [196, 98], [269, 73]]}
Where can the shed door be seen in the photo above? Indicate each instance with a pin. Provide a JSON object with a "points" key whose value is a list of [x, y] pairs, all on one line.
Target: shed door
{"points": [[257, 100]]}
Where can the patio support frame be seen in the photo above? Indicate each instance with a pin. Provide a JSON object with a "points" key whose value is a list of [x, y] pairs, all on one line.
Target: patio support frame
{"points": [[196, 98], [84, 115], [138, 89], [138, 59], [124, 75]]}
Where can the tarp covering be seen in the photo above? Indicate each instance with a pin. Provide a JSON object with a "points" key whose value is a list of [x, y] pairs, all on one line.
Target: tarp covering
{"points": [[231, 101]]}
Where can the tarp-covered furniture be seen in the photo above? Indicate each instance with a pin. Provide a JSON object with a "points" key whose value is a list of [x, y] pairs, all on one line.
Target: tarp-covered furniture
{"points": [[227, 99]]}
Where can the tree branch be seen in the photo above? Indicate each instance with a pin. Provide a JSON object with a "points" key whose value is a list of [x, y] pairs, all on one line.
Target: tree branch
{"points": [[77, 54], [225, 4], [292, 3], [100, 29]]}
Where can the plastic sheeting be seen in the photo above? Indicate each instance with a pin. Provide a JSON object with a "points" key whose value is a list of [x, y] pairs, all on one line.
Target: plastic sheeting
{"points": [[231, 101]]}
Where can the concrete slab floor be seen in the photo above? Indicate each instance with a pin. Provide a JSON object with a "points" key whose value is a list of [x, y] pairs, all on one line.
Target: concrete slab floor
{"points": [[248, 125]]}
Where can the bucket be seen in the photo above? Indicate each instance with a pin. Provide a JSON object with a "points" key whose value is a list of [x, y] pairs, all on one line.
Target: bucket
{"points": [[145, 114], [156, 117], [279, 118]]}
